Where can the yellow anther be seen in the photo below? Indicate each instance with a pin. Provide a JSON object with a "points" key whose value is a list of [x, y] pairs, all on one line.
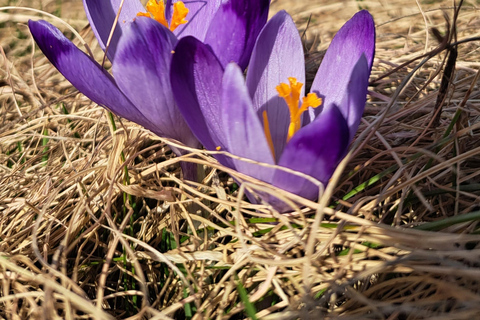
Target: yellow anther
{"points": [[218, 148], [156, 10], [312, 100], [291, 94], [268, 134], [284, 90], [179, 14]]}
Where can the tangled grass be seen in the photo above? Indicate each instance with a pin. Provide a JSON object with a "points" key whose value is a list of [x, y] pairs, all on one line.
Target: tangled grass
{"points": [[96, 222]]}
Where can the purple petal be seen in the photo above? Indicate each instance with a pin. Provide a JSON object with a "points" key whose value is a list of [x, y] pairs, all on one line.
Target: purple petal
{"points": [[101, 15], [244, 133], [168, 9], [234, 29], [142, 71], [354, 102], [278, 55], [315, 150], [200, 15], [354, 39], [196, 77], [83, 72]]}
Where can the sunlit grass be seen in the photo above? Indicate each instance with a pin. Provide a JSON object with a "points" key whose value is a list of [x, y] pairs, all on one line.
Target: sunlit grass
{"points": [[96, 221]]}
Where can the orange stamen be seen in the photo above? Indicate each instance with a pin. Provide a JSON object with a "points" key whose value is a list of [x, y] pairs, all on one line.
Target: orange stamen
{"points": [[156, 10], [291, 94], [179, 14], [268, 134]]}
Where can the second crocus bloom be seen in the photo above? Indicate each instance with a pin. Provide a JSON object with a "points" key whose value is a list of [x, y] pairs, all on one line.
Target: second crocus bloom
{"points": [[268, 118], [140, 49]]}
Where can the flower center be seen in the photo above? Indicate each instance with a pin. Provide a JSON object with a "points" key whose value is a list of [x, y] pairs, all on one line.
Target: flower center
{"points": [[291, 93], [156, 10]]}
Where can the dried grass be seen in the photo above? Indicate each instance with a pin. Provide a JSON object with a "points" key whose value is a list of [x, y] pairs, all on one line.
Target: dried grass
{"points": [[395, 236]]}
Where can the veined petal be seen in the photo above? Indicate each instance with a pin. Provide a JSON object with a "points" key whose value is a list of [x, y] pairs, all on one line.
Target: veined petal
{"points": [[196, 77], [243, 131], [277, 55], [315, 150], [142, 71], [354, 39], [101, 15], [83, 72], [234, 29], [200, 15]]}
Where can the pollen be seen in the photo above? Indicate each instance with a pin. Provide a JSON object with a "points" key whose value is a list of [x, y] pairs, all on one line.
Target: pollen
{"points": [[291, 93], [156, 10]]}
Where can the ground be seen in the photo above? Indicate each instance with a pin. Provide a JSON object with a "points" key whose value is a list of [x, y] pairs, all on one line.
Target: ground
{"points": [[96, 222]]}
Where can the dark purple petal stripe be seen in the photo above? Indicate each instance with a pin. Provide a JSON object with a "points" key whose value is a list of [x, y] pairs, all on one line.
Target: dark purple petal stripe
{"points": [[101, 15], [234, 29], [83, 72]]}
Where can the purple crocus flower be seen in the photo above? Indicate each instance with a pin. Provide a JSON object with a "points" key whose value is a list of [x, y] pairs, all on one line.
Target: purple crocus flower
{"points": [[263, 118], [230, 27], [141, 48]]}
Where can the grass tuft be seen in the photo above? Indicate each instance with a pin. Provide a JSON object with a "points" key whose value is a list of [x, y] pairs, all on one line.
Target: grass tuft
{"points": [[96, 222]]}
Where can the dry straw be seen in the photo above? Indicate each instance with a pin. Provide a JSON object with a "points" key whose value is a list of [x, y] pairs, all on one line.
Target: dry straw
{"points": [[97, 223]]}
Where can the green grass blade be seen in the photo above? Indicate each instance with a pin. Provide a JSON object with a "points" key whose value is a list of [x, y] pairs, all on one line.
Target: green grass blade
{"points": [[444, 223], [249, 307]]}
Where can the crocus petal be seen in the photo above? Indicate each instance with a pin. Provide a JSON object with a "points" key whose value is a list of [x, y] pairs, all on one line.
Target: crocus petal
{"points": [[196, 77], [278, 55], [169, 9], [142, 71], [354, 102], [315, 150], [243, 131], [83, 72], [200, 15], [102, 13], [234, 29], [354, 39]]}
